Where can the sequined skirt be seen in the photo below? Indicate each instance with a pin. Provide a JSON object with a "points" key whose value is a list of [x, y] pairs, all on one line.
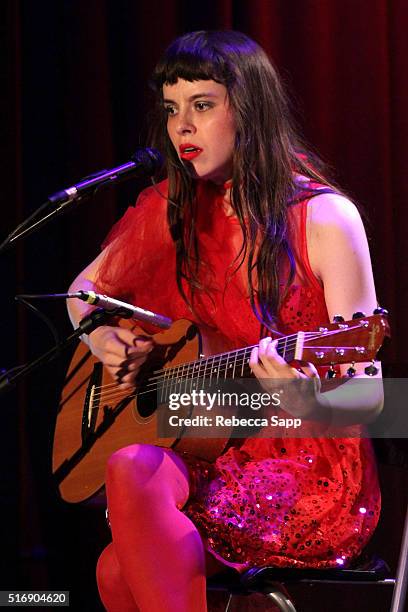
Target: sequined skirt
{"points": [[297, 502]]}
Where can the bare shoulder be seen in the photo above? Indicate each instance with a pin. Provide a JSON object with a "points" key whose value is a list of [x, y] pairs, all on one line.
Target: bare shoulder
{"points": [[339, 254], [335, 232], [333, 210]]}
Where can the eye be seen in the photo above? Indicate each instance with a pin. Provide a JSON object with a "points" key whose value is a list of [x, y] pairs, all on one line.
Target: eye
{"points": [[203, 106], [169, 109]]}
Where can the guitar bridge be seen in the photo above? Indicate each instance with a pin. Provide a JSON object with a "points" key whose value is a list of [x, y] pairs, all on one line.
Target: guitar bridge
{"points": [[91, 403]]}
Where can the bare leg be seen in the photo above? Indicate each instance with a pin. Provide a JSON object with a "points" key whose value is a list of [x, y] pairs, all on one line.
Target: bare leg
{"points": [[159, 550]]}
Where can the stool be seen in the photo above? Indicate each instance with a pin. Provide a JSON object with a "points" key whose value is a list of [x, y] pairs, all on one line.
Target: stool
{"points": [[269, 580]]}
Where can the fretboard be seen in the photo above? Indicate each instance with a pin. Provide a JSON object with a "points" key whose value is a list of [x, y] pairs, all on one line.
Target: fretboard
{"points": [[229, 365]]}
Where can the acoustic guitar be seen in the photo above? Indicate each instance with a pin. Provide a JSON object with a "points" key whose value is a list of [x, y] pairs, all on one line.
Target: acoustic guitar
{"points": [[96, 418]]}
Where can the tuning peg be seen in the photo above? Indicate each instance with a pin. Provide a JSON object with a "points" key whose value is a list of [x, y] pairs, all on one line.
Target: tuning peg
{"points": [[358, 315], [381, 311], [338, 319], [371, 370], [351, 371]]}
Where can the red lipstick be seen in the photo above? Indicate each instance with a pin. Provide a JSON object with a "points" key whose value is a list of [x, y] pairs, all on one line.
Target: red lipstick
{"points": [[189, 151]]}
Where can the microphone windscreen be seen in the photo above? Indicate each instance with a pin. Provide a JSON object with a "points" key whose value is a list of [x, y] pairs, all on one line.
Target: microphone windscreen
{"points": [[151, 159]]}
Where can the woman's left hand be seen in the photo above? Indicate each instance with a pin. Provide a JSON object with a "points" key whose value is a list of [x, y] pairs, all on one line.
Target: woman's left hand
{"points": [[271, 370]]}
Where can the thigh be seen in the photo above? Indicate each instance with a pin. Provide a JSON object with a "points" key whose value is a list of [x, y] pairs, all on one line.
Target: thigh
{"points": [[148, 470], [156, 470]]}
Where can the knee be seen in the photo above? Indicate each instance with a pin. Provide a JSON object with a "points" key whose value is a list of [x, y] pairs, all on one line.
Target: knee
{"points": [[145, 472], [136, 464]]}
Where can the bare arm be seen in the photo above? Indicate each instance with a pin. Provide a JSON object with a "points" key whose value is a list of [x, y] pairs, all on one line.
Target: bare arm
{"points": [[339, 257], [85, 281], [118, 348]]}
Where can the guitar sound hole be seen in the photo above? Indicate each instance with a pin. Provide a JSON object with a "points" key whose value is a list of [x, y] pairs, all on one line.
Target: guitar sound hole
{"points": [[146, 402]]}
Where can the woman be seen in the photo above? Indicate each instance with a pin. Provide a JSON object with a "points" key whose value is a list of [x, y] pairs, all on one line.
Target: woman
{"points": [[246, 236]]}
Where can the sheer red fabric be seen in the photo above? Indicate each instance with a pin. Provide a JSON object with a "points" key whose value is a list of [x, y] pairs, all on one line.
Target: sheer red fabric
{"points": [[284, 502]]}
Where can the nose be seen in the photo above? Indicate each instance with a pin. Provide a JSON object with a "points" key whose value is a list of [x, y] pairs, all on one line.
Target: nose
{"points": [[185, 123]]}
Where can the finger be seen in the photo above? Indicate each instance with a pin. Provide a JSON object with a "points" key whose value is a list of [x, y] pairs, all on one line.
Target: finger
{"points": [[116, 363], [113, 360], [143, 342], [131, 361], [253, 360], [310, 370], [259, 361], [272, 352], [269, 357], [114, 348], [134, 361], [263, 346], [134, 364], [274, 366], [120, 374], [124, 335], [256, 367], [263, 350], [141, 346], [134, 352], [123, 380], [126, 344], [126, 385]]}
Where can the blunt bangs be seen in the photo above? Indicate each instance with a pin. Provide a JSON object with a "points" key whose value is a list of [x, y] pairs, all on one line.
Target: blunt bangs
{"points": [[193, 58]]}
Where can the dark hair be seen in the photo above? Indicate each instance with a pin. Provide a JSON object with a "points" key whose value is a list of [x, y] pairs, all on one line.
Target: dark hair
{"points": [[266, 155]]}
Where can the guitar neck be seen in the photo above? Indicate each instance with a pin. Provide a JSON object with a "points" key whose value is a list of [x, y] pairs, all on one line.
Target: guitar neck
{"points": [[340, 342], [232, 364]]}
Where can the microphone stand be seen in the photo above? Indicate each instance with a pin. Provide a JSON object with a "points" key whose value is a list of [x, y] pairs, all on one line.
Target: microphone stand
{"points": [[60, 201], [144, 161], [22, 230], [87, 325], [26, 231]]}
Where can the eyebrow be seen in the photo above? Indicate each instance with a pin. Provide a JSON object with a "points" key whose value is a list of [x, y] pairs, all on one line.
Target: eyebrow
{"points": [[195, 97]]}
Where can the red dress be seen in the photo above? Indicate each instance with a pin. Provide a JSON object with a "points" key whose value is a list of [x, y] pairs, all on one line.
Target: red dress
{"points": [[284, 502]]}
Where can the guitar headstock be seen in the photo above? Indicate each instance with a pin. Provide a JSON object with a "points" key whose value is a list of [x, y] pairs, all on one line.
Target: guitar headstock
{"points": [[346, 341]]}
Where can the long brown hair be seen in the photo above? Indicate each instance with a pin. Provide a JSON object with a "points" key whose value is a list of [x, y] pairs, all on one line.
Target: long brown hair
{"points": [[266, 157]]}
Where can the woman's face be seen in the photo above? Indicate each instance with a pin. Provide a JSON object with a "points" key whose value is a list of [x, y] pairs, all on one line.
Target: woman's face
{"points": [[201, 127]]}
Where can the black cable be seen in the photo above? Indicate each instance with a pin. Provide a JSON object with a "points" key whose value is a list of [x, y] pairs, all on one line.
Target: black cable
{"points": [[42, 316]]}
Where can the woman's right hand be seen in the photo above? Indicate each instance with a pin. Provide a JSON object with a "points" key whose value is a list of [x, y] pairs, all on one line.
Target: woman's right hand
{"points": [[121, 351]]}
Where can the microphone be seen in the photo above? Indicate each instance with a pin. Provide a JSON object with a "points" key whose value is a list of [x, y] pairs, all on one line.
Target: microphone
{"points": [[143, 162], [119, 308], [128, 311]]}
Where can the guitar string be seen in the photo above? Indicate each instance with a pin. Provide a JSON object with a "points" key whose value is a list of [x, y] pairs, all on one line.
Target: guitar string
{"points": [[202, 365], [155, 383], [229, 354], [222, 359], [188, 376], [159, 384], [289, 345]]}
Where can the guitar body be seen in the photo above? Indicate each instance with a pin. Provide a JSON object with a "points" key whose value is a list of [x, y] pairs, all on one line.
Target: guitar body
{"points": [[96, 418], [91, 426]]}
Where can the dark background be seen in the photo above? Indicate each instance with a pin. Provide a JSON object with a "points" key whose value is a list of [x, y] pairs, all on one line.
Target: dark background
{"points": [[75, 100]]}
